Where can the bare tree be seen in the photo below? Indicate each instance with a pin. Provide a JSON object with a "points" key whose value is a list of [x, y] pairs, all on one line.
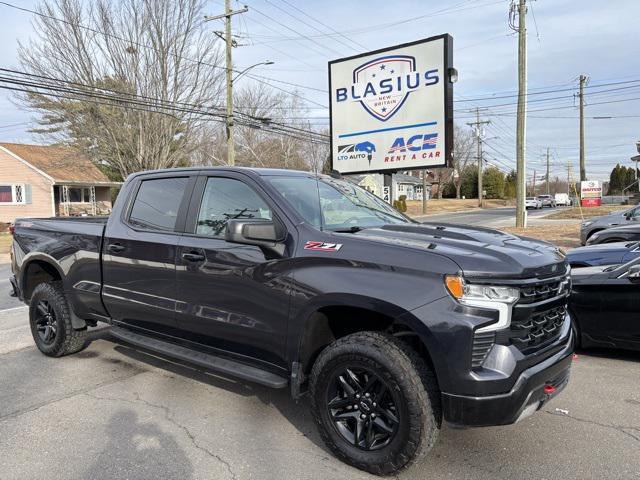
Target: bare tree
{"points": [[144, 49], [316, 153], [463, 145], [258, 142]]}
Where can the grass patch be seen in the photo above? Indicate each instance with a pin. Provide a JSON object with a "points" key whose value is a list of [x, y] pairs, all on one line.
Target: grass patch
{"points": [[574, 212], [446, 205], [565, 236]]}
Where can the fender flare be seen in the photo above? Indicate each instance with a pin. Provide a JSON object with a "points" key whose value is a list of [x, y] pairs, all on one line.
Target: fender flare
{"points": [[301, 322], [76, 322]]}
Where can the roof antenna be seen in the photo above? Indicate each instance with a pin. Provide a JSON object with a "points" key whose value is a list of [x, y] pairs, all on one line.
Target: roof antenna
{"points": [[335, 174]]}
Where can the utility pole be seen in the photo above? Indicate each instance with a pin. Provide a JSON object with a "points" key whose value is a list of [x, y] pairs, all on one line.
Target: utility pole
{"points": [[521, 28], [548, 171], [478, 130], [533, 194], [424, 189], [569, 178], [228, 13], [583, 169]]}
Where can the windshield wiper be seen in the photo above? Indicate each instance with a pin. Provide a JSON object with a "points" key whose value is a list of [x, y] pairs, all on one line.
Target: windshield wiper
{"points": [[353, 229]]}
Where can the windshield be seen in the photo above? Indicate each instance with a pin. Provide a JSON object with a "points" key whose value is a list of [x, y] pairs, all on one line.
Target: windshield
{"points": [[334, 204]]}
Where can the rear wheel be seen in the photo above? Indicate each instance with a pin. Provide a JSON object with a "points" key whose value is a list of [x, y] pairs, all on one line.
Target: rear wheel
{"points": [[50, 321], [375, 402]]}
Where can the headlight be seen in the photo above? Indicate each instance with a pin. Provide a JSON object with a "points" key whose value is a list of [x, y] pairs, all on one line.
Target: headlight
{"points": [[469, 293], [491, 297], [586, 224]]}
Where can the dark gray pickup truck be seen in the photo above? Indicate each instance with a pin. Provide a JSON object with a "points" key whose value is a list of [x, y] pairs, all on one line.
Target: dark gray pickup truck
{"points": [[290, 279]]}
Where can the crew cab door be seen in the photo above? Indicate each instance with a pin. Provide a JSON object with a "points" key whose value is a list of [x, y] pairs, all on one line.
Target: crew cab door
{"points": [[139, 253], [231, 297]]}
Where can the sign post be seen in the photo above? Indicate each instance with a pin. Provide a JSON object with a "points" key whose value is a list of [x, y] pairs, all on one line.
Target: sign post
{"points": [[392, 109], [388, 187]]}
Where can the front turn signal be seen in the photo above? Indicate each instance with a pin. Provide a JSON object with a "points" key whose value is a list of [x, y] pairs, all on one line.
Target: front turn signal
{"points": [[455, 285]]}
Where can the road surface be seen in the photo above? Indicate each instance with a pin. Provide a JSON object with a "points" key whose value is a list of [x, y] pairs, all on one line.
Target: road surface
{"points": [[114, 411], [5, 287], [488, 217]]}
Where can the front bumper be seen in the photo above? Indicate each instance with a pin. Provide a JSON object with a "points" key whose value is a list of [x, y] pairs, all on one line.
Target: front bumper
{"points": [[527, 395]]}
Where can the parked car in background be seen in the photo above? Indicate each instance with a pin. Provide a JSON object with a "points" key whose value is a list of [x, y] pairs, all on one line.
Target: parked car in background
{"points": [[547, 201], [603, 254], [616, 234], [562, 199], [596, 224], [604, 305], [533, 202]]}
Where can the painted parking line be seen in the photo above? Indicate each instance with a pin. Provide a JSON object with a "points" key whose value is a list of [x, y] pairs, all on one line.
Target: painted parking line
{"points": [[13, 309]]}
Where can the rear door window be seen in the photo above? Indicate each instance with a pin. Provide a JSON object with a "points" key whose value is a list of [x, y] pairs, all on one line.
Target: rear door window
{"points": [[157, 203]]}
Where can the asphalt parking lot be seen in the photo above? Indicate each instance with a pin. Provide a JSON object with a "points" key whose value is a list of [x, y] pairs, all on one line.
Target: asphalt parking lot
{"points": [[113, 411]]}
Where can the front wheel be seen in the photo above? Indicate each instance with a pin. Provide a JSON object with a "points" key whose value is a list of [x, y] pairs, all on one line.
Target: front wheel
{"points": [[375, 402]]}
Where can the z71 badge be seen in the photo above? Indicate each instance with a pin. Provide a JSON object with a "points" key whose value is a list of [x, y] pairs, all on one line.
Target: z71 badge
{"points": [[322, 246]]}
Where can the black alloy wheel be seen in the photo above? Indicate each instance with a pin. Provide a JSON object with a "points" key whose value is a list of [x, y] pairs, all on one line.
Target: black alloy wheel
{"points": [[363, 408], [375, 401], [46, 324], [51, 321]]}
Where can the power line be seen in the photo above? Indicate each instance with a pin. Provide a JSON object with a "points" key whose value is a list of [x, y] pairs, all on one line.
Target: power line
{"points": [[302, 36], [357, 44], [571, 89], [160, 107], [261, 78]]}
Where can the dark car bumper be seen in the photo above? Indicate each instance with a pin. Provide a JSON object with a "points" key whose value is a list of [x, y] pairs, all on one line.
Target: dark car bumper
{"points": [[526, 397]]}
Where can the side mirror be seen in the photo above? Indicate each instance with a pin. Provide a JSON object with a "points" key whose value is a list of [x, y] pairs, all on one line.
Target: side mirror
{"points": [[634, 274], [262, 233]]}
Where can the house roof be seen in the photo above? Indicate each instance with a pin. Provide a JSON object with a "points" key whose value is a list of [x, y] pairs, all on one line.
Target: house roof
{"points": [[64, 164], [402, 178]]}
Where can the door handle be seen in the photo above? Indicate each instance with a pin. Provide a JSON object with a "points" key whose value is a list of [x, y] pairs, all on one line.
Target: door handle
{"points": [[115, 247], [193, 257]]}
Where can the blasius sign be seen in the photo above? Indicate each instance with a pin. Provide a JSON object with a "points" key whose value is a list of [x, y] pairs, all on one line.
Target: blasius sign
{"points": [[392, 109]]}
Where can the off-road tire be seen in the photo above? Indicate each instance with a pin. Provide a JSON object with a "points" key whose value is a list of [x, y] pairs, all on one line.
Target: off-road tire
{"points": [[407, 374], [67, 340]]}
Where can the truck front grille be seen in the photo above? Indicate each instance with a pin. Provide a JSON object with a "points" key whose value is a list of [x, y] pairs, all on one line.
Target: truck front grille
{"points": [[538, 330], [540, 292]]}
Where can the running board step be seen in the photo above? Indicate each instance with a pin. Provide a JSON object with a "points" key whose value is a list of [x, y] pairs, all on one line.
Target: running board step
{"points": [[219, 364]]}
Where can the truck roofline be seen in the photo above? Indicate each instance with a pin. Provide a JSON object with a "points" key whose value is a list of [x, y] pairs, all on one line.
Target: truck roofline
{"points": [[258, 172]]}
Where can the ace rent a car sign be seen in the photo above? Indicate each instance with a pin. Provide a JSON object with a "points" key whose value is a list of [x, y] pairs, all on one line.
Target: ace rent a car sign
{"points": [[392, 109]]}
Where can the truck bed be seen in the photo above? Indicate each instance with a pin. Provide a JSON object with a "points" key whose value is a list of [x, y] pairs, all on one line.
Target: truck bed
{"points": [[75, 243]]}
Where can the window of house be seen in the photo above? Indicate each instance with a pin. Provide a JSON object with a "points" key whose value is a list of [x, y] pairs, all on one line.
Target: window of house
{"points": [[157, 203], [225, 199], [79, 194], [400, 187], [15, 194]]}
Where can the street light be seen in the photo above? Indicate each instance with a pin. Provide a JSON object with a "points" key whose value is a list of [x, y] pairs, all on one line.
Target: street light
{"points": [[266, 62], [231, 151]]}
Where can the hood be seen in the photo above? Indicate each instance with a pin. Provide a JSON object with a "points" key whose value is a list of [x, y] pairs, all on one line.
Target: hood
{"points": [[581, 274], [617, 247], [614, 217], [480, 252], [632, 227]]}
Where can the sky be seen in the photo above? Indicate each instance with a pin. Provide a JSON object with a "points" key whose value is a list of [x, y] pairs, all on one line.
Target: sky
{"points": [[566, 38]]}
